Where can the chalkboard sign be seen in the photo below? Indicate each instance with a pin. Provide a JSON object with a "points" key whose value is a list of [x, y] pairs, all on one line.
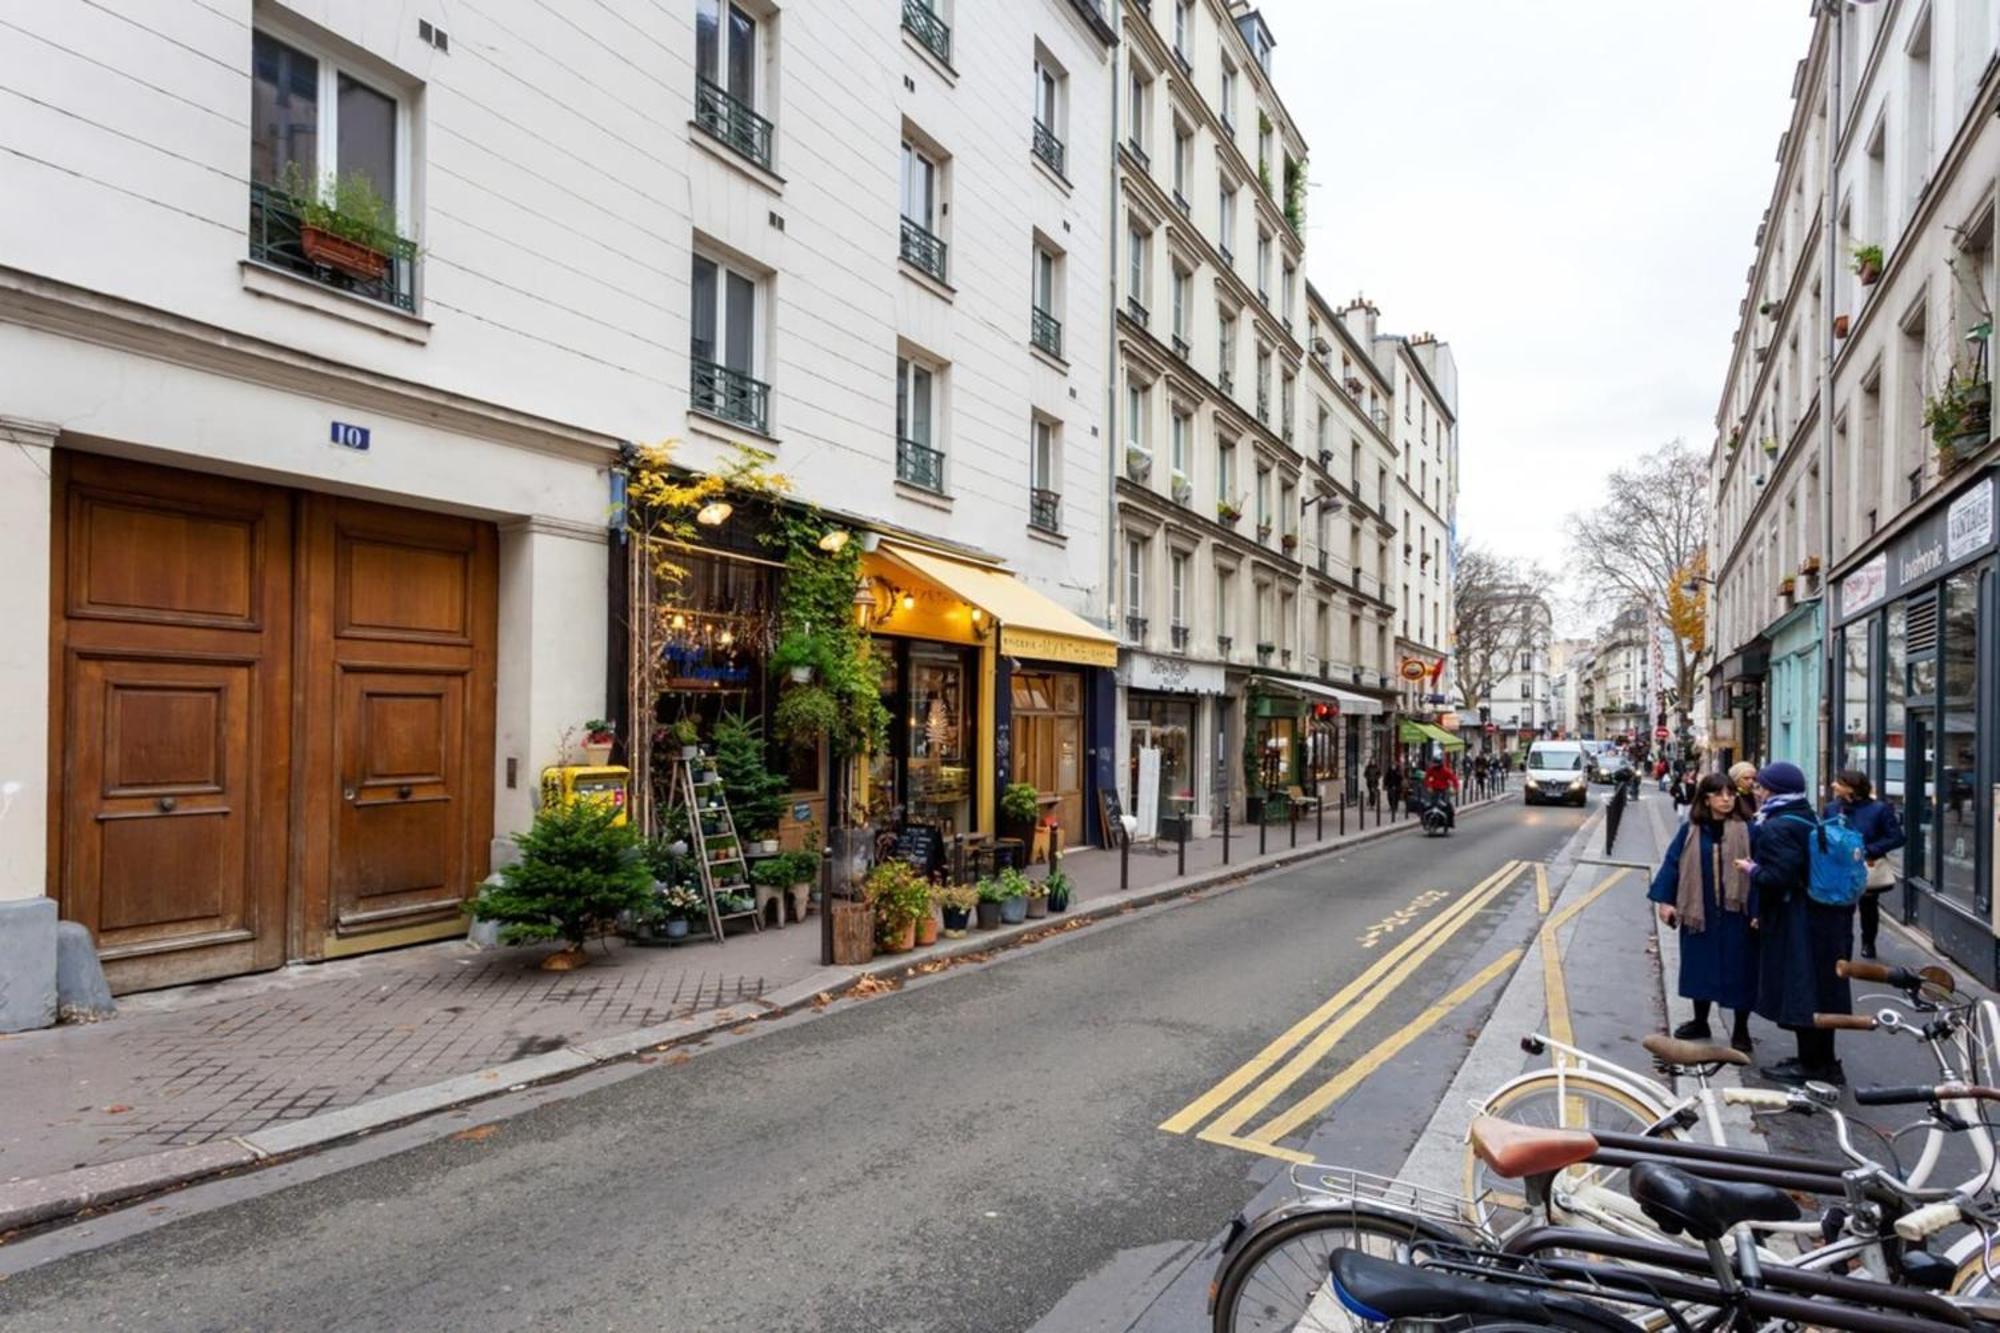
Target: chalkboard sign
{"points": [[1111, 814], [920, 845]]}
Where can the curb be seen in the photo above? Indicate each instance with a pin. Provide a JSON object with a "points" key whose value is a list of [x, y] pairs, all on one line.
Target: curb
{"points": [[45, 1199]]}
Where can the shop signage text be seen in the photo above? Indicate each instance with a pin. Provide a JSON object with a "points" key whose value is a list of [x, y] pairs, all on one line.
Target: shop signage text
{"points": [[1057, 647], [350, 437], [1945, 539], [1175, 675]]}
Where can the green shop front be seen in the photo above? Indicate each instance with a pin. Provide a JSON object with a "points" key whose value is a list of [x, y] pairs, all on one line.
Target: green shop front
{"points": [[1300, 739]]}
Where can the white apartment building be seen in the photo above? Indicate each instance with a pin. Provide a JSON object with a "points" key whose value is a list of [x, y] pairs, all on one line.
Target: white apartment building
{"points": [[1522, 706], [1568, 662], [1621, 681], [1909, 572], [328, 545]]}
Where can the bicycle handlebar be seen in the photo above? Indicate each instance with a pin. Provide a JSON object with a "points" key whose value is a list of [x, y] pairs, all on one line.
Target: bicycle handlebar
{"points": [[1928, 1220], [1939, 1092], [1838, 1022], [1856, 970]]}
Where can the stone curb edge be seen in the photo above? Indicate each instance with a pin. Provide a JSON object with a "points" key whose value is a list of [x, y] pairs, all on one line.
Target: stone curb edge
{"points": [[42, 1200]]}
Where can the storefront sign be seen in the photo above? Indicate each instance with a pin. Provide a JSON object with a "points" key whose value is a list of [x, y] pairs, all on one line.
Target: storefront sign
{"points": [[1176, 675], [1047, 647], [1946, 538]]}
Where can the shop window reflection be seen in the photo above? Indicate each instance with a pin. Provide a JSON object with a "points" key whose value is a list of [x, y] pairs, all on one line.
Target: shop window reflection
{"points": [[1957, 740]]}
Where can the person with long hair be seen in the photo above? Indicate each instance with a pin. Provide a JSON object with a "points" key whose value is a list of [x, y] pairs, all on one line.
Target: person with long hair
{"points": [[1881, 833], [1703, 892], [1802, 940]]}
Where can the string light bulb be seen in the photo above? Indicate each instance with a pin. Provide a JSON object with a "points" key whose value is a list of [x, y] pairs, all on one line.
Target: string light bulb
{"points": [[977, 615], [909, 602], [680, 621], [715, 513], [834, 540]]}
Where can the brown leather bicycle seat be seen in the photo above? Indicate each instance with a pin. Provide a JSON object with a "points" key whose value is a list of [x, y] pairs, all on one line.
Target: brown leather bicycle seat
{"points": [[1514, 1150], [1674, 1051]]}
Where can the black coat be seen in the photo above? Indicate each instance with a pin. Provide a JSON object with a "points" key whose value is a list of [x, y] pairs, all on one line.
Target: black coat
{"points": [[1799, 940]]}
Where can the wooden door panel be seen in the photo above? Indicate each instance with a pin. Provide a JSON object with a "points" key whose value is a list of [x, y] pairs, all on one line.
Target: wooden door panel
{"points": [[171, 692], [400, 846]]}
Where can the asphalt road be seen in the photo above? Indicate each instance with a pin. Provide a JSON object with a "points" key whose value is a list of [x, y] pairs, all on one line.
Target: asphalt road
{"points": [[982, 1150]]}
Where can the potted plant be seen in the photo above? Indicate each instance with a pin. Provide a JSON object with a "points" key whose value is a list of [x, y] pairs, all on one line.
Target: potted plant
{"points": [[578, 871], [345, 225], [927, 924], [957, 903], [1770, 446], [756, 795], [1263, 529], [1959, 418], [677, 905], [1290, 542], [1868, 264], [1035, 892], [1787, 586], [988, 896], [1183, 489], [1840, 326], [1227, 512], [1735, 438], [598, 738], [1810, 567], [1059, 889], [688, 735], [1138, 462], [900, 896], [1020, 805], [1014, 897], [797, 655]]}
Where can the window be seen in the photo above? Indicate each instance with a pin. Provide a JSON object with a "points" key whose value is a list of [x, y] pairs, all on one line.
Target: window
{"points": [[1264, 385], [1135, 588], [1229, 98], [1182, 437], [1048, 140], [1224, 609], [922, 246], [1044, 477], [1140, 97], [1285, 296], [1264, 156], [725, 61], [923, 22], [1225, 348], [1135, 273], [1264, 267], [1137, 401], [1918, 115], [918, 459], [1177, 588], [1044, 328], [1183, 166], [1285, 397], [1184, 30], [1226, 223], [725, 355], [1263, 498], [1225, 472], [312, 121], [1183, 289]]}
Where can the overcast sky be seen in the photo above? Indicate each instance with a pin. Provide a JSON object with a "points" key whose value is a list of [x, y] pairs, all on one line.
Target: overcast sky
{"points": [[1565, 190]]}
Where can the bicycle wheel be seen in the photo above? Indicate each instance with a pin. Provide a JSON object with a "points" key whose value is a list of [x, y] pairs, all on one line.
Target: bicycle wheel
{"points": [[1278, 1280], [1580, 1100]]}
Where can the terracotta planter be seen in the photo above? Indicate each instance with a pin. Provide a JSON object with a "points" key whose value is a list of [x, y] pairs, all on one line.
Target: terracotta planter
{"points": [[927, 929], [342, 255], [898, 941], [564, 960], [1840, 323], [597, 753], [1869, 273], [1038, 906]]}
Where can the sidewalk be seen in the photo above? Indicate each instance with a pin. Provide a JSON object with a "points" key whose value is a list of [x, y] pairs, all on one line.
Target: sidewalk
{"points": [[189, 1082]]}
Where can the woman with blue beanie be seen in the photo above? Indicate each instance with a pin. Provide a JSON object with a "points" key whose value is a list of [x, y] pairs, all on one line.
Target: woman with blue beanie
{"points": [[1800, 940]]}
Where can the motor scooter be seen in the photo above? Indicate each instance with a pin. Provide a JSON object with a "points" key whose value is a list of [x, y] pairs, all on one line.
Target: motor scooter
{"points": [[1436, 818]]}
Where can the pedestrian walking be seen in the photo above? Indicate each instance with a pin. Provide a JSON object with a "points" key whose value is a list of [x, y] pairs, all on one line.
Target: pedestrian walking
{"points": [[1660, 771], [1371, 778], [1744, 776], [1799, 940], [1703, 892], [1392, 783], [1881, 833]]}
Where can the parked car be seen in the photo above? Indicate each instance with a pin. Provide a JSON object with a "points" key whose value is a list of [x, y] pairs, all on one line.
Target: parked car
{"points": [[1556, 771]]}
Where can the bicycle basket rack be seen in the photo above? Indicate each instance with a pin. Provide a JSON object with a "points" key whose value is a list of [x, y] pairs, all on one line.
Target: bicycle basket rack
{"points": [[1318, 1180]]}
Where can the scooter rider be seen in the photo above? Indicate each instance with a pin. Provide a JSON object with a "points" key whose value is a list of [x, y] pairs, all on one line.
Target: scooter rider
{"points": [[1440, 782]]}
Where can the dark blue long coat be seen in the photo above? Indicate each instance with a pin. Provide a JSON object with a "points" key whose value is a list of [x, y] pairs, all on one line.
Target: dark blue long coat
{"points": [[1718, 964], [1875, 820], [1800, 939]]}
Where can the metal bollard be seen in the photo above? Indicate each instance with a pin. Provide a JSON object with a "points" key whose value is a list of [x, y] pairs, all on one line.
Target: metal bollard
{"points": [[1124, 861], [1180, 866], [1292, 816], [1263, 826], [1614, 811], [1319, 817], [1225, 828]]}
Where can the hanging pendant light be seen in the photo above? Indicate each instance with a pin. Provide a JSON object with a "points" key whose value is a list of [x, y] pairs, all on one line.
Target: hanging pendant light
{"points": [[715, 513]]}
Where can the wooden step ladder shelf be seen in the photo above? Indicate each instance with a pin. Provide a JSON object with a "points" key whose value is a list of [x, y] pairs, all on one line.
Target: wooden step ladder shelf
{"points": [[718, 848]]}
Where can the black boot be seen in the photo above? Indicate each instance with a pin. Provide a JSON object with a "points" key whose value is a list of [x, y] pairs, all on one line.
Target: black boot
{"points": [[1693, 1030]]}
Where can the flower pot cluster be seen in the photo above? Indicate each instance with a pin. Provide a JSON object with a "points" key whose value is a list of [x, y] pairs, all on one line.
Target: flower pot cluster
{"points": [[1960, 418], [1010, 897], [1868, 264]]}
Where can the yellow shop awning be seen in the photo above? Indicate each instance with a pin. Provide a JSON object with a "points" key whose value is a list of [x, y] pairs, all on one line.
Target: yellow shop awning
{"points": [[1031, 625]]}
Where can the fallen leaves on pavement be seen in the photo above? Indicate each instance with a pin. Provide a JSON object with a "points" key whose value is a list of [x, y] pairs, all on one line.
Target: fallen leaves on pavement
{"points": [[477, 1134]]}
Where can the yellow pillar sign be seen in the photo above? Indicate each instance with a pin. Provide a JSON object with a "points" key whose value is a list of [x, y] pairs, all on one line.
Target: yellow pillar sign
{"points": [[569, 783]]}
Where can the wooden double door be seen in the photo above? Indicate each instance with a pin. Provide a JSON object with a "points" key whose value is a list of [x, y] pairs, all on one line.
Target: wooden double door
{"points": [[1048, 743], [273, 720]]}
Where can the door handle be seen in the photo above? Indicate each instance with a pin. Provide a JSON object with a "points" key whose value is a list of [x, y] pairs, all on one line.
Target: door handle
{"points": [[347, 793], [167, 804], [403, 792]]}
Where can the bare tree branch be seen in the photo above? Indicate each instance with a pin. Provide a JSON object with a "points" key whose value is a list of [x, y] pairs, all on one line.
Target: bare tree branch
{"points": [[1499, 613]]}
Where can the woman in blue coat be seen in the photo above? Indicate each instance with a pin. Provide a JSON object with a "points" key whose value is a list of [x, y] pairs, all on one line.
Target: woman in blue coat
{"points": [[1700, 889], [1881, 833], [1800, 940]]}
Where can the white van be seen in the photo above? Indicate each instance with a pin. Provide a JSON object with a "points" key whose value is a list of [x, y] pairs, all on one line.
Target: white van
{"points": [[1557, 771]]}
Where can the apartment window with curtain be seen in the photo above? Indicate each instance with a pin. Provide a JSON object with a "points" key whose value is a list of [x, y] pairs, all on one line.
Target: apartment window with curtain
{"points": [[1137, 247], [1045, 328], [1048, 128], [1044, 476], [724, 354], [727, 42], [1177, 569], [1135, 588], [922, 246], [919, 440]]}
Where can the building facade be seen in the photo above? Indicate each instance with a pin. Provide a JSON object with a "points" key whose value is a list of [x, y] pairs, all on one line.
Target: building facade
{"points": [[328, 533], [1906, 325]]}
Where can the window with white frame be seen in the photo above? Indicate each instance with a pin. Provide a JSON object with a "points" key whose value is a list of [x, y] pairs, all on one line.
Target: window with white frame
{"points": [[1048, 96], [1264, 154], [1263, 497], [1183, 297], [1286, 283], [726, 351], [1184, 29], [1135, 584], [1045, 280], [1183, 162], [920, 186], [1138, 402], [1044, 460], [1228, 99], [1264, 266], [1225, 602], [1183, 437], [1225, 471], [726, 59], [919, 423], [1177, 569], [1139, 111], [1136, 249], [1225, 343], [1225, 231]]}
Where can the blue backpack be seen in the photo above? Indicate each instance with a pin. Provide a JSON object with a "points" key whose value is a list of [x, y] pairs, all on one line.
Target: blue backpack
{"points": [[1839, 872]]}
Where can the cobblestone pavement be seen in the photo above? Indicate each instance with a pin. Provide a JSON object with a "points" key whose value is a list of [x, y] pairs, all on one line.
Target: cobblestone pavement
{"points": [[203, 1063]]}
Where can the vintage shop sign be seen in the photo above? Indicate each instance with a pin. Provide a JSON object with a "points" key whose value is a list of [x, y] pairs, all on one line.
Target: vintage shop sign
{"points": [[1944, 540], [1173, 675]]}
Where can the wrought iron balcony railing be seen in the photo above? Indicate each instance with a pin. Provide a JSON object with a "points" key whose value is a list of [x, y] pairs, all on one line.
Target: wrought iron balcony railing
{"points": [[733, 122], [1264, 404], [1223, 643], [924, 24], [923, 249], [920, 465], [1048, 147], [1045, 510], [1181, 348], [1045, 331], [279, 238], [1137, 311], [730, 394], [1135, 628], [1180, 633], [1180, 202]]}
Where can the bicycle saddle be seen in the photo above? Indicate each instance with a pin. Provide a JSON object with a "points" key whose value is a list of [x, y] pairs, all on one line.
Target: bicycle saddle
{"points": [[1380, 1290], [1705, 1209], [1515, 1150], [1686, 1054]]}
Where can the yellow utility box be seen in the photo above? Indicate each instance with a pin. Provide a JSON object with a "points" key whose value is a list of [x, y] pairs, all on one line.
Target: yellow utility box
{"points": [[587, 782]]}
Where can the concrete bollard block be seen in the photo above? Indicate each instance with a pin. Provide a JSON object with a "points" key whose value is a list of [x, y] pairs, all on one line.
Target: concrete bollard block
{"points": [[27, 964], [484, 934], [82, 993]]}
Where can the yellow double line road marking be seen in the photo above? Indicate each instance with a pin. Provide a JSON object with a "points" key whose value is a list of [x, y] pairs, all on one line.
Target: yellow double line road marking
{"points": [[1332, 1021]]}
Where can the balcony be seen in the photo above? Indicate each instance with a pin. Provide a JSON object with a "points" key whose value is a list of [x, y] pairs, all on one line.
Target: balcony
{"points": [[1223, 643], [1180, 202], [730, 394], [280, 239], [1264, 404], [920, 465], [1181, 348], [1180, 633], [1135, 628], [922, 23], [1228, 255], [1048, 147], [1225, 382], [1045, 332], [1045, 510], [1137, 311], [1144, 158], [923, 249], [731, 121]]}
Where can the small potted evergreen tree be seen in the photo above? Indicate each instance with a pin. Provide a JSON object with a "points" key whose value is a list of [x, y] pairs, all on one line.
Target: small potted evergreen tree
{"points": [[579, 870]]}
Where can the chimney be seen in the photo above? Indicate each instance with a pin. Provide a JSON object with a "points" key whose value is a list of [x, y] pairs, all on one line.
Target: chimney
{"points": [[1360, 318]]}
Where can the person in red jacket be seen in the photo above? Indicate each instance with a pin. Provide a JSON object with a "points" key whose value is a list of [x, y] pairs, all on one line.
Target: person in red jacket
{"points": [[1441, 782]]}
